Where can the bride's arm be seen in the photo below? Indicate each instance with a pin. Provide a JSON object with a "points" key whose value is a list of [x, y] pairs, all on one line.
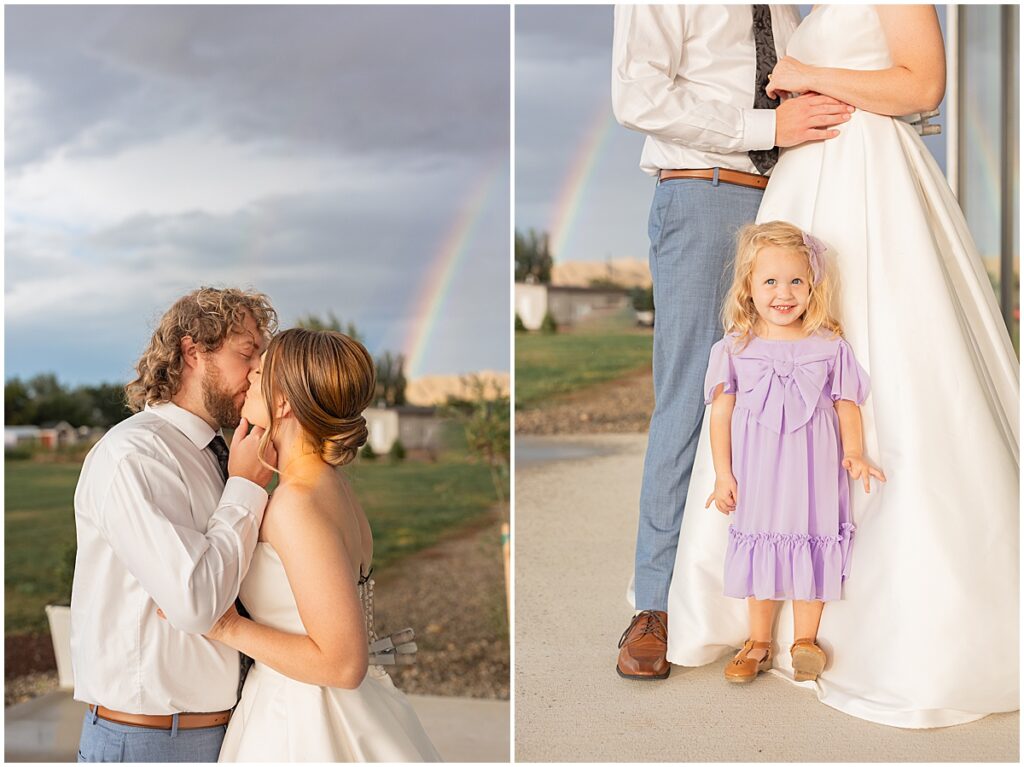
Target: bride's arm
{"points": [[334, 651], [915, 82]]}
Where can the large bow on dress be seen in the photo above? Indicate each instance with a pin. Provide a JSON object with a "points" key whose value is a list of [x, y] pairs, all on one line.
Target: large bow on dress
{"points": [[782, 394]]}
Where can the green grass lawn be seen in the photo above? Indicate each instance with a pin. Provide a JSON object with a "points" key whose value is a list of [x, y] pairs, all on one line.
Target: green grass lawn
{"points": [[410, 506], [550, 365]]}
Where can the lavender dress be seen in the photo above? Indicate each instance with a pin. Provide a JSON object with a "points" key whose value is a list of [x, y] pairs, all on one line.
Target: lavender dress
{"points": [[791, 531]]}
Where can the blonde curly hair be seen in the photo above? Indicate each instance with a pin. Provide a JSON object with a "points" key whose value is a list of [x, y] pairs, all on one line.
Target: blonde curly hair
{"points": [[208, 316], [739, 315]]}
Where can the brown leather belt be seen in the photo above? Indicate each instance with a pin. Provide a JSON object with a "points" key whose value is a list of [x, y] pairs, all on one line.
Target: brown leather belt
{"points": [[725, 175], [163, 721]]}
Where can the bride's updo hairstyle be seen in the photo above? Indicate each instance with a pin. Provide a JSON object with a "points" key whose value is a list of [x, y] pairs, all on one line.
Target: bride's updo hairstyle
{"points": [[738, 312], [328, 380]]}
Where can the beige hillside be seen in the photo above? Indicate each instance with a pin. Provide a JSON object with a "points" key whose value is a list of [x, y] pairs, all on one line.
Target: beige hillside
{"points": [[435, 390], [627, 272]]}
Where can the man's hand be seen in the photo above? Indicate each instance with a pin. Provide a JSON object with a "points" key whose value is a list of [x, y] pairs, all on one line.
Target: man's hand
{"points": [[242, 460], [808, 118]]}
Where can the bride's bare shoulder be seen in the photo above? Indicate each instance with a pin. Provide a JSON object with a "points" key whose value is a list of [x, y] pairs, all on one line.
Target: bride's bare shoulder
{"points": [[298, 502]]}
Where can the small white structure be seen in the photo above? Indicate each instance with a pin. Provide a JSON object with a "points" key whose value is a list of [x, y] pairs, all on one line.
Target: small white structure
{"points": [[19, 436], [382, 426], [568, 304], [418, 428]]}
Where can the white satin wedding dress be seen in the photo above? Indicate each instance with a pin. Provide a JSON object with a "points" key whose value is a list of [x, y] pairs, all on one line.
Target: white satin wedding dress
{"points": [[281, 720], [927, 632]]}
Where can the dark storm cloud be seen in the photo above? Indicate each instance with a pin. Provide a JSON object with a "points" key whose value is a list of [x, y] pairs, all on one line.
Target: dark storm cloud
{"points": [[406, 81], [320, 154]]}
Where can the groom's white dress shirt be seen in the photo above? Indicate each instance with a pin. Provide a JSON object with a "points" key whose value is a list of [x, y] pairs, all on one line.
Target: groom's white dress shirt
{"points": [[157, 527], [684, 75]]}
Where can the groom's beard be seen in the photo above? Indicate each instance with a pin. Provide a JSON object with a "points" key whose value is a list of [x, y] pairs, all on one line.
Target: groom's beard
{"points": [[219, 403]]}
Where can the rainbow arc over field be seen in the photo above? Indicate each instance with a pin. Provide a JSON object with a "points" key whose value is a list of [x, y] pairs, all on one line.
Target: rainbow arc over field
{"points": [[568, 203], [445, 264]]}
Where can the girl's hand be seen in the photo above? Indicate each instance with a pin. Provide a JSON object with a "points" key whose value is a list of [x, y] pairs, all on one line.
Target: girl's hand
{"points": [[858, 468], [789, 76], [725, 496], [223, 626]]}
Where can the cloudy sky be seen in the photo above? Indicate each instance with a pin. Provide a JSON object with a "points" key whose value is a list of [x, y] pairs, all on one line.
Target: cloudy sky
{"points": [[563, 110], [336, 158]]}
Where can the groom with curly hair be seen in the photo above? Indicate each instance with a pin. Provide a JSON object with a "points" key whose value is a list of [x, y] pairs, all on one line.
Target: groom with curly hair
{"points": [[166, 516]]}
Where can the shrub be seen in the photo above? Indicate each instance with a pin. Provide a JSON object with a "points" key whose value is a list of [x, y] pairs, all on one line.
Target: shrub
{"points": [[643, 299], [368, 453], [21, 453], [548, 324], [397, 451], [520, 327]]}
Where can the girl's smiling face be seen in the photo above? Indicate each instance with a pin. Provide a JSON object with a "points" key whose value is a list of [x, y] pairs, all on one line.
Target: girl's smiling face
{"points": [[780, 285]]}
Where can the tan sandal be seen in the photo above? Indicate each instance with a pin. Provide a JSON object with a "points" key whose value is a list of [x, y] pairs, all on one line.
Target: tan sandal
{"points": [[754, 658], [808, 660]]}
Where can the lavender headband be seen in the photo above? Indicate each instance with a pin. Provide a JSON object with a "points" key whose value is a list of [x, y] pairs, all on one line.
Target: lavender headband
{"points": [[816, 256]]}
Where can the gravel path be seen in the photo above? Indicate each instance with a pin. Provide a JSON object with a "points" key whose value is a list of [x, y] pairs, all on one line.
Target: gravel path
{"points": [[622, 406], [453, 595]]}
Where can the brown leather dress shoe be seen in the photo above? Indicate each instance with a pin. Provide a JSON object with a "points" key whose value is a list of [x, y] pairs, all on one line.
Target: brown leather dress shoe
{"points": [[808, 660], [754, 658], [643, 645]]}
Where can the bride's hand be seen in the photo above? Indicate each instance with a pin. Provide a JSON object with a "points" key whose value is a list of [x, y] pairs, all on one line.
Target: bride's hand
{"points": [[725, 495], [789, 76], [224, 624]]}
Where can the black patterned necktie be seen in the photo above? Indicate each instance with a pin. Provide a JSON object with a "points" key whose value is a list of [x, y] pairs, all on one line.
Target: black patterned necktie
{"points": [[220, 449], [764, 50]]}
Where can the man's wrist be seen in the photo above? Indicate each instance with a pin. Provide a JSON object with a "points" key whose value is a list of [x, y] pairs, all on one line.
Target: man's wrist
{"points": [[758, 129]]}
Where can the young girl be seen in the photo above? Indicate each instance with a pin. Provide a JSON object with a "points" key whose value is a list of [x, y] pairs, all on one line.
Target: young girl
{"points": [[785, 429]]}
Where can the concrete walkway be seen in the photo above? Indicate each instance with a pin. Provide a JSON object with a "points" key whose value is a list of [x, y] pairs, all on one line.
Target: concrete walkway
{"points": [[575, 534], [46, 729]]}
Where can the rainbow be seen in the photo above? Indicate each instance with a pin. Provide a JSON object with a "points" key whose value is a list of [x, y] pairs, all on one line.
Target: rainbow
{"points": [[444, 266], [567, 204]]}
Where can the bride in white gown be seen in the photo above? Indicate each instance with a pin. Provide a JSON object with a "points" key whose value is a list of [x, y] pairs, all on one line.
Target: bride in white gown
{"points": [[311, 695], [927, 632]]}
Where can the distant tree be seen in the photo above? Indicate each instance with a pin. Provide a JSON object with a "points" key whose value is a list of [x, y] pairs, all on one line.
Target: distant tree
{"points": [[108, 404], [485, 419], [533, 257], [390, 379], [314, 322], [43, 399], [18, 409]]}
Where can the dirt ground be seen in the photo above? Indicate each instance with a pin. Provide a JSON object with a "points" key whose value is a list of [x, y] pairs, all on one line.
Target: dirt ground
{"points": [[452, 595], [622, 406]]}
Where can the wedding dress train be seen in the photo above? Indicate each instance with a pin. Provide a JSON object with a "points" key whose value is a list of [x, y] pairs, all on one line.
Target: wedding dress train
{"points": [[926, 634]]}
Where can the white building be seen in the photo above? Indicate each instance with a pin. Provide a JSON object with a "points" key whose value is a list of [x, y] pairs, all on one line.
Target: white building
{"points": [[568, 305]]}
